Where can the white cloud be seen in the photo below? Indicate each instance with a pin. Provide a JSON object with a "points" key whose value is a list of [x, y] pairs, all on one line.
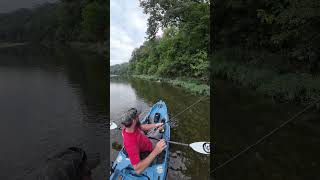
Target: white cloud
{"points": [[128, 25]]}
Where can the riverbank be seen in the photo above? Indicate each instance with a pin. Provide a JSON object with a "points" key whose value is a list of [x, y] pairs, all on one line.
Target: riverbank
{"points": [[300, 88], [100, 48], [8, 44], [190, 85]]}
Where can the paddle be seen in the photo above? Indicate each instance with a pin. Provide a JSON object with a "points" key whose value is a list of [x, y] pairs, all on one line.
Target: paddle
{"points": [[200, 147]]}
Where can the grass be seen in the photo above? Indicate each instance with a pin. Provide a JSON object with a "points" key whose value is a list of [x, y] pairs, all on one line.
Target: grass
{"points": [[294, 87], [190, 85]]}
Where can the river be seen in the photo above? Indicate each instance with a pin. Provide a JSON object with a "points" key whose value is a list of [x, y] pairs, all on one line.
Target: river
{"points": [[242, 116], [50, 99], [191, 126]]}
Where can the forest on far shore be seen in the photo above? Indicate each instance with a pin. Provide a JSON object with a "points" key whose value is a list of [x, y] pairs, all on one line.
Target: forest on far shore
{"points": [[63, 21], [270, 46]]}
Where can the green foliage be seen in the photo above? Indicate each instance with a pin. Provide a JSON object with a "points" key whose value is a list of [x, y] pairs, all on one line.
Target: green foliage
{"points": [[293, 87], [289, 28], [29, 25], [188, 84], [63, 21], [94, 23], [174, 13], [270, 46], [182, 49], [119, 69], [200, 65], [69, 19]]}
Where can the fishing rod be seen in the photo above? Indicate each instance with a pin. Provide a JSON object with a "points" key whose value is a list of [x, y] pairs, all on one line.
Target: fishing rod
{"points": [[265, 136], [200, 147]]}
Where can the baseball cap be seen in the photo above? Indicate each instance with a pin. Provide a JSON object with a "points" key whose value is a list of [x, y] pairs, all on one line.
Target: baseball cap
{"points": [[129, 116]]}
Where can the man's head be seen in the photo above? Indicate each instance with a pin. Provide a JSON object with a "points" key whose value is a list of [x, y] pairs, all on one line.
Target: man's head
{"points": [[131, 118]]}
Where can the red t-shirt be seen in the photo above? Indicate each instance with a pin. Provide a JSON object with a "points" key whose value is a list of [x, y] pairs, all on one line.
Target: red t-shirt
{"points": [[134, 143]]}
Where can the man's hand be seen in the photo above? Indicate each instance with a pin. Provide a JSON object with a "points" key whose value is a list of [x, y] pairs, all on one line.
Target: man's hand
{"points": [[142, 165], [159, 126], [147, 127], [160, 146]]}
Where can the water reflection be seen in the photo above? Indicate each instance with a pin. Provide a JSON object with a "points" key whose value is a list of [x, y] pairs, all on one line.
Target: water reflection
{"points": [[243, 116], [51, 99]]}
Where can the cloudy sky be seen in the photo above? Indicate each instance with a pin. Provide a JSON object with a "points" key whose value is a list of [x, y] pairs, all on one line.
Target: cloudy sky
{"points": [[128, 25]]}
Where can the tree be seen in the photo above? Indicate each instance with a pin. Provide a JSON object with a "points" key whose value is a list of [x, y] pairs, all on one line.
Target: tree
{"points": [[94, 23], [181, 50]]}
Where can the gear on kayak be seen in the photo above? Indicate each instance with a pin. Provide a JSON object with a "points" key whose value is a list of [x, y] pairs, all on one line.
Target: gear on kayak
{"points": [[156, 117]]}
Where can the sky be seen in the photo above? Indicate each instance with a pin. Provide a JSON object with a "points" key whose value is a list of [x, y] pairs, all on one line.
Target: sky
{"points": [[128, 25], [11, 5]]}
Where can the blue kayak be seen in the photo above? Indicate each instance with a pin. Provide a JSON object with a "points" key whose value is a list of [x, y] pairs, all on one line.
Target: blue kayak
{"points": [[122, 168]]}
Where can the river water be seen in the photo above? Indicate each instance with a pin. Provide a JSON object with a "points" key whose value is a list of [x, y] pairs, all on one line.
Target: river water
{"points": [[50, 99], [242, 116], [191, 126]]}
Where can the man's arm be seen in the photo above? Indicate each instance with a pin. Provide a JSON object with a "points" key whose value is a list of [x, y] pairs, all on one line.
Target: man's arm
{"points": [[147, 127], [142, 165]]}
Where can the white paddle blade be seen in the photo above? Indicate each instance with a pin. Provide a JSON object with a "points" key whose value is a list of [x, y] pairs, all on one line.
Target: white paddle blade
{"points": [[201, 147], [113, 125]]}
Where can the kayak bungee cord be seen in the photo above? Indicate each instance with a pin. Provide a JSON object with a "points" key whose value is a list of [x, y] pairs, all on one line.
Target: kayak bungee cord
{"points": [[265, 136]]}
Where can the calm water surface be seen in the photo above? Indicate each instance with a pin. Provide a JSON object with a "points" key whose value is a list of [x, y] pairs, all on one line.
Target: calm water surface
{"points": [[242, 116], [191, 126], [49, 100]]}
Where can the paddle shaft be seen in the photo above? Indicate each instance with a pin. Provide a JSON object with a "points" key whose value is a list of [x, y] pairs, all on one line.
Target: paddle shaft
{"points": [[172, 142], [194, 146]]}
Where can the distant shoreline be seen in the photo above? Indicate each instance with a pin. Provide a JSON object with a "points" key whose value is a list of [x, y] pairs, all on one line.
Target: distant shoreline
{"points": [[8, 44], [100, 48], [190, 85]]}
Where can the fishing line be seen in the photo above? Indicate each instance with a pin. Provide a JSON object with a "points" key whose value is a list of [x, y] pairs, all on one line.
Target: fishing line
{"points": [[188, 107], [199, 100], [265, 136]]}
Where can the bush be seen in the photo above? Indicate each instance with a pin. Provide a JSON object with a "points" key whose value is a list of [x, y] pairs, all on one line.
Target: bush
{"points": [[294, 87]]}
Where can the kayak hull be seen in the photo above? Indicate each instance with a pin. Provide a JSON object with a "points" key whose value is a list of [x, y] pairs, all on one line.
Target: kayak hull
{"points": [[122, 167]]}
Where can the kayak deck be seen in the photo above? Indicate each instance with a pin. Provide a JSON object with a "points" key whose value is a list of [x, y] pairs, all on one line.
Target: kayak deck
{"points": [[122, 168]]}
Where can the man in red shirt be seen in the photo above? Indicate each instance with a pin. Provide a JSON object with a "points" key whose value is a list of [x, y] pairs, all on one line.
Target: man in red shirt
{"points": [[135, 141]]}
